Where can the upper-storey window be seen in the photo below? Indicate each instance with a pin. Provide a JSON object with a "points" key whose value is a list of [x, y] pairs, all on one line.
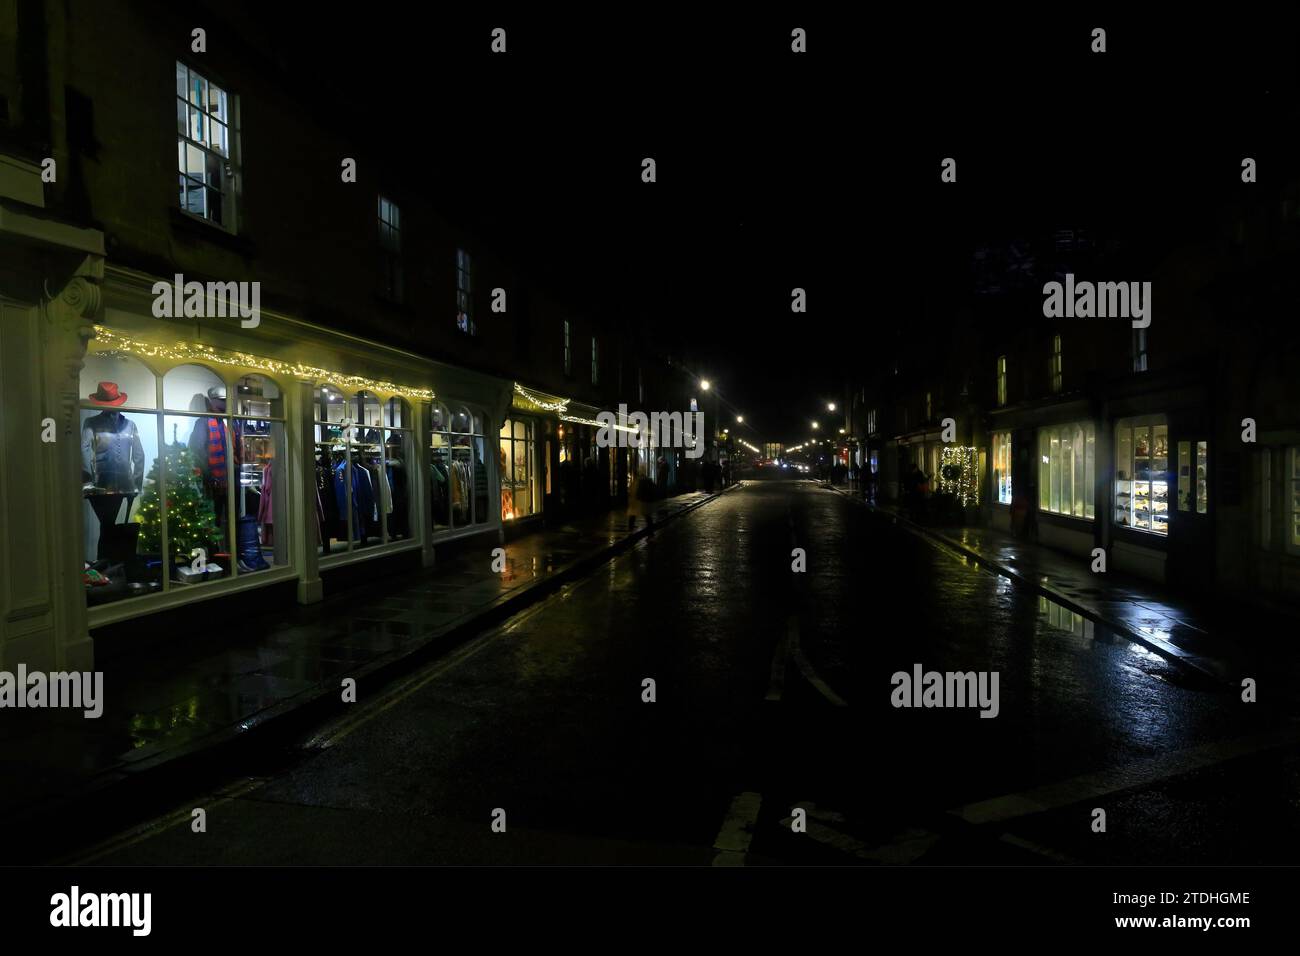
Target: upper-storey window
{"points": [[206, 148], [464, 301]]}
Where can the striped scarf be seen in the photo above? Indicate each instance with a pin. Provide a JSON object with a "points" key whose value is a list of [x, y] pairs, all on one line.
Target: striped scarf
{"points": [[216, 451]]}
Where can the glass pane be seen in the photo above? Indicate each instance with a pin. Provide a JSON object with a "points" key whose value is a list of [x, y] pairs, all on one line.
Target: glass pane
{"points": [[331, 524], [1090, 474], [194, 388], [394, 413], [259, 397], [117, 381], [368, 409], [181, 118], [198, 453], [440, 492], [440, 418], [1184, 476], [182, 79], [198, 128], [330, 404], [262, 532], [198, 89], [367, 478], [1202, 477], [505, 462], [481, 482], [1054, 459], [461, 481], [220, 137], [212, 171], [395, 485], [1080, 482], [461, 421], [119, 475], [1044, 472]]}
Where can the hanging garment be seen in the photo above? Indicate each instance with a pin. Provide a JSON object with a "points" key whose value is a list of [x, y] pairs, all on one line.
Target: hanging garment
{"points": [[265, 515], [366, 507]]}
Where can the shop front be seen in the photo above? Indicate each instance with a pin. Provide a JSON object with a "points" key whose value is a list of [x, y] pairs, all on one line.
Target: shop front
{"points": [[213, 459]]}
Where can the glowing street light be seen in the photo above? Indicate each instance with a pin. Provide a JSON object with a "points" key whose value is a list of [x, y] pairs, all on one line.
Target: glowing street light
{"points": [[815, 425], [740, 419], [704, 384], [830, 406]]}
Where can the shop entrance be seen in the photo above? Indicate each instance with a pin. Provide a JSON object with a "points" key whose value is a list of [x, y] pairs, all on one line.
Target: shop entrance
{"points": [[1191, 530]]}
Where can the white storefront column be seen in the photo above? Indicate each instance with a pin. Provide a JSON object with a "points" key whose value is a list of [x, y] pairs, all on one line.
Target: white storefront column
{"points": [[301, 485]]}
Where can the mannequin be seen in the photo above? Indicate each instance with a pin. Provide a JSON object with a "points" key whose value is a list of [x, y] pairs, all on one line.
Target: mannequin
{"points": [[207, 446], [112, 461]]}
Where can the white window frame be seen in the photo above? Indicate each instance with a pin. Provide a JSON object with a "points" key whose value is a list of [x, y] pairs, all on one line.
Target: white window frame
{"points": [[1002, 380], [1125, 513], [1081, 438], [199, 134], [1001, 470]]}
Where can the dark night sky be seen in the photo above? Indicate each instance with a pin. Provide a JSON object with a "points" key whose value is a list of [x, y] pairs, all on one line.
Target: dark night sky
{"points": [[818, 171]]}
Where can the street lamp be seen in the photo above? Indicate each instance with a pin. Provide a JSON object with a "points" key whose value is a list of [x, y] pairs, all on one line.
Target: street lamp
{"points": [[830, 406], [704, 384], [815, 425], [740, 419]]}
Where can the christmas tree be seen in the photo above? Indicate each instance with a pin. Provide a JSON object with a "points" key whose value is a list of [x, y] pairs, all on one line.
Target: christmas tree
{"points": [[191, 522]]}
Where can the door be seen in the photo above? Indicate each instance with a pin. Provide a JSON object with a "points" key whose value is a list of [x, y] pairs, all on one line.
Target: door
{"points": [[1191, 518]]}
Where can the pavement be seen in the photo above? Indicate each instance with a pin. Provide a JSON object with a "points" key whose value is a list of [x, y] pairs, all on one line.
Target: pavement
{"points": [[1213, 638], [184, 710], [773, 703]]}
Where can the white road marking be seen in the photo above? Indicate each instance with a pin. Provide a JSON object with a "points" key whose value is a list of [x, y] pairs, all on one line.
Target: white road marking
{"points": [[737, 830], [805, 668]]}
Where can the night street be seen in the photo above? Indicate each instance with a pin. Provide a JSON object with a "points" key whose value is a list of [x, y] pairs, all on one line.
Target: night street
{"points": [[543, 717]]}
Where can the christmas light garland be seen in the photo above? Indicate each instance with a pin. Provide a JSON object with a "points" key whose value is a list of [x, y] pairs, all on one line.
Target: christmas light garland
{"points": [[966, 485], [116, 343], [532, 397]]}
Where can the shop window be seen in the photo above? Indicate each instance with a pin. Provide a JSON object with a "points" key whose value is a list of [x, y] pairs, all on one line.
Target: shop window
{"points": [[364, 452], [1002, 379], [1193, 477], [464, 296], [205, 148], [1002, 467], [119, 464], [390, 250], [182, 497], [1142, 474], [459, 475], [1067, 469], [518, 471]]}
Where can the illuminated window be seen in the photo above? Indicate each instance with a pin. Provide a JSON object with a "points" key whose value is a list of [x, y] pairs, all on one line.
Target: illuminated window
{"points": [[206, 148], [390, 246], [1002, 379], [1002, 467], [464, 301], [1142, 474], [1067, 462], [518, 472]]}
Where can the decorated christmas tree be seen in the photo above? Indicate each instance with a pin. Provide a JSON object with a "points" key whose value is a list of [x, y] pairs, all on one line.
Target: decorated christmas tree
{"points": [[191, 522]]}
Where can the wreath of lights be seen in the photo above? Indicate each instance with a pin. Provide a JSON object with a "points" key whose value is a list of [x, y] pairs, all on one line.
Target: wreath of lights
{"points": [[541, 403], [119, 344]]}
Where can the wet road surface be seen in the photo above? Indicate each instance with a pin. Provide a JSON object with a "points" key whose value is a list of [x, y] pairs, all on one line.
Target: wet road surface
{"points": [[772, 694]]}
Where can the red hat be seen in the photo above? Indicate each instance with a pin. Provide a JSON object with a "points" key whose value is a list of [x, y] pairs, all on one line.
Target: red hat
{"points": [[107, 394]]}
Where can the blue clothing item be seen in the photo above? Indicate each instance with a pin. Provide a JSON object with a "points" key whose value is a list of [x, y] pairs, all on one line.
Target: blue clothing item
{"points": [[363, 499]]}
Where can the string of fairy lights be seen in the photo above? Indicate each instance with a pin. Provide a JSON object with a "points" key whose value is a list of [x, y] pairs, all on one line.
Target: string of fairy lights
{"points": [[111, 342]]}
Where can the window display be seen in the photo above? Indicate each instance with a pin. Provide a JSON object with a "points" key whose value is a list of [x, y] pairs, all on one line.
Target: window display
{"points": [[459, 478], [158, 483], [518, 474], [1002, 467], [1142, 474], [1067, 469], [362, 456]]}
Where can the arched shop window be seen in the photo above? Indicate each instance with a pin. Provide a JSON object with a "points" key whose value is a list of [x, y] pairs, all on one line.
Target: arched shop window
{"points": [[517, 461], [458, 468], [173, 480], [361, 463]]}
